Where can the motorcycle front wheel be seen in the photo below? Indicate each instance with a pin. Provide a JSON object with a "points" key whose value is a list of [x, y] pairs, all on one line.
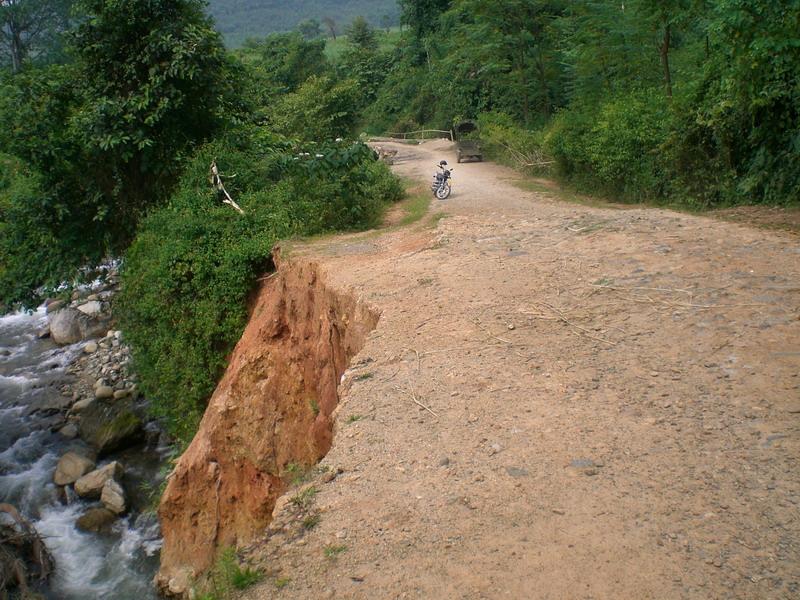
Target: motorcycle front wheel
{"points": [[443, 192]]}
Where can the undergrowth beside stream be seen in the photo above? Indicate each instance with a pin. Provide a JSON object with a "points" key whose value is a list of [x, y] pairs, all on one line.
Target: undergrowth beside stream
{"points": [[194, 262]]}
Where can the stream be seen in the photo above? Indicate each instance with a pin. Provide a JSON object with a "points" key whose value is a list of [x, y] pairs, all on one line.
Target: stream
{"points": [[119, 565]]}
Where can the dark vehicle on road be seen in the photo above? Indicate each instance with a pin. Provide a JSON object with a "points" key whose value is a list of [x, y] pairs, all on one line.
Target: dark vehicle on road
{"points": [[467, 147]]}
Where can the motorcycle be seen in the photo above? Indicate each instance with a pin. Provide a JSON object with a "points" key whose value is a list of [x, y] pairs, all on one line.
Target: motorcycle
{"points": [[441, 181]]}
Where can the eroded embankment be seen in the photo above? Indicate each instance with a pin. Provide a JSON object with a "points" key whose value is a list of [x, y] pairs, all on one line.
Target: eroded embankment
{"points": [[272, 408]]}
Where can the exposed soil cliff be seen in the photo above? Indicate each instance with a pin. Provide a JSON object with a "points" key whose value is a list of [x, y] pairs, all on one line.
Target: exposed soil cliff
{"points": [[272, 408]]}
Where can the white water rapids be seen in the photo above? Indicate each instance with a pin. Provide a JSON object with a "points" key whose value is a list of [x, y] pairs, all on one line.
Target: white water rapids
{"points": [[119, 565]]}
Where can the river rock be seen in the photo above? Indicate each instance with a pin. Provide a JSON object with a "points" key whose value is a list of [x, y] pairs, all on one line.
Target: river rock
{"points": [[113, 497], [95, 520], [90, 348], [82, 405], [69, 431], [54, 306], [103, 391], [91, 485], [65, 326], [71, 467], [91, 308], [111, 425], [68, 326]]}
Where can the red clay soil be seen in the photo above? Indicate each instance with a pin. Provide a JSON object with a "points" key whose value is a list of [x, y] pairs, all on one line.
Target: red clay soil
{"points": [[271, 410]]}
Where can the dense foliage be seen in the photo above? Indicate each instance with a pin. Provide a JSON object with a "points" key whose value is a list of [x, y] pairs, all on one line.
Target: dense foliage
{"points": [[692, 101], [188, 274], [106, 133], [109, 154]]}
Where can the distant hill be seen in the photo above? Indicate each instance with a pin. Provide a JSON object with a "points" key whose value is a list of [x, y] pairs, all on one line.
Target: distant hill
{"points": [[240, 19]]}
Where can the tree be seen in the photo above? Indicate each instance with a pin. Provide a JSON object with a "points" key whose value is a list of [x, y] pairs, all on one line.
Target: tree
{"points": [[386, 22], [154, 77], [287, 60], [104, 137], [421, 16], [321, 109], [310, 28], [362, 61], [503, 55], [362, 35], [330, 23], [25, 26]]}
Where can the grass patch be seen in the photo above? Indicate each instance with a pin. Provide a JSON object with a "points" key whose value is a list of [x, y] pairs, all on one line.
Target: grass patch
{"points": [[365, 376], [227, 577], [282, 582], [304, 499], [334, 550], [310, 522], [314, 406], [415, 207], [434, 219], [354, 418], [296, 473]]}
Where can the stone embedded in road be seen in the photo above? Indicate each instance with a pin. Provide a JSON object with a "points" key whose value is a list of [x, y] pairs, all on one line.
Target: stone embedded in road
{"points": [[517, 472]]}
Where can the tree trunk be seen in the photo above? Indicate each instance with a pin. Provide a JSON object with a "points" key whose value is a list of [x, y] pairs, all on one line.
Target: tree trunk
{"points": [[544, 84], [665, 60], [523, 81]]}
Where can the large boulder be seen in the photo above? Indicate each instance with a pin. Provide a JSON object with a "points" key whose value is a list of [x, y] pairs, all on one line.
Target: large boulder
{"points": [[91, 485], [71, 467], [111, 425], [113, 497], [68, 326], [96, 520]]}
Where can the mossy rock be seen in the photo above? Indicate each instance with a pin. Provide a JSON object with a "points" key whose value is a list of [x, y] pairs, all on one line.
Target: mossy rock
{"points": [[111, 425]]}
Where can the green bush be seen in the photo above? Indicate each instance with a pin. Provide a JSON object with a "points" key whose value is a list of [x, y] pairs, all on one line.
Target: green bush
{"points": [[28, 225], [227, 577], [320, 109], [187, 276], [508, 143], [615, 146]]}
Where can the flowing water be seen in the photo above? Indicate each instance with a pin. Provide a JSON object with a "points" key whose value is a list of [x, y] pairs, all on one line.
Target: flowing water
{"points": [[119, 565]]}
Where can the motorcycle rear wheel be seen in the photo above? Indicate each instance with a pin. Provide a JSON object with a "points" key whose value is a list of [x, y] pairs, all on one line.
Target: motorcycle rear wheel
{"points": [[443, 192]]}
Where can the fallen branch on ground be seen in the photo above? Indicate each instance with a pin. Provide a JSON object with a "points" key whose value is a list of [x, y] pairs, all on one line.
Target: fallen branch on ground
{"points": [[415, 400]]}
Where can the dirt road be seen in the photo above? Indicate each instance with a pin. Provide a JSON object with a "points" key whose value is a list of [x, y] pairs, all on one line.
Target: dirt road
{"points": [[559, 401]]}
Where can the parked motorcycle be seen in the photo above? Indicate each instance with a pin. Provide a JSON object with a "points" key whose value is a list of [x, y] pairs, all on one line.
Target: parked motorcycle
{"points": [[441, 181]]}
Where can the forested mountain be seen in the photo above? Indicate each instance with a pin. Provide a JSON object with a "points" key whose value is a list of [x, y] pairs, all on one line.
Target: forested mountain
{"points": [[240, 19]]}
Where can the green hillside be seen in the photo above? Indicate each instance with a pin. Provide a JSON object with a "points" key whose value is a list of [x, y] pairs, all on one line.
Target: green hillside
{"points": [[240, 19]]}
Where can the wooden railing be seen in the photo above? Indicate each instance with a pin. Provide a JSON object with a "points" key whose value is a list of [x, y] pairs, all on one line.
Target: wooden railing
{"points": [[413, 135]]}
